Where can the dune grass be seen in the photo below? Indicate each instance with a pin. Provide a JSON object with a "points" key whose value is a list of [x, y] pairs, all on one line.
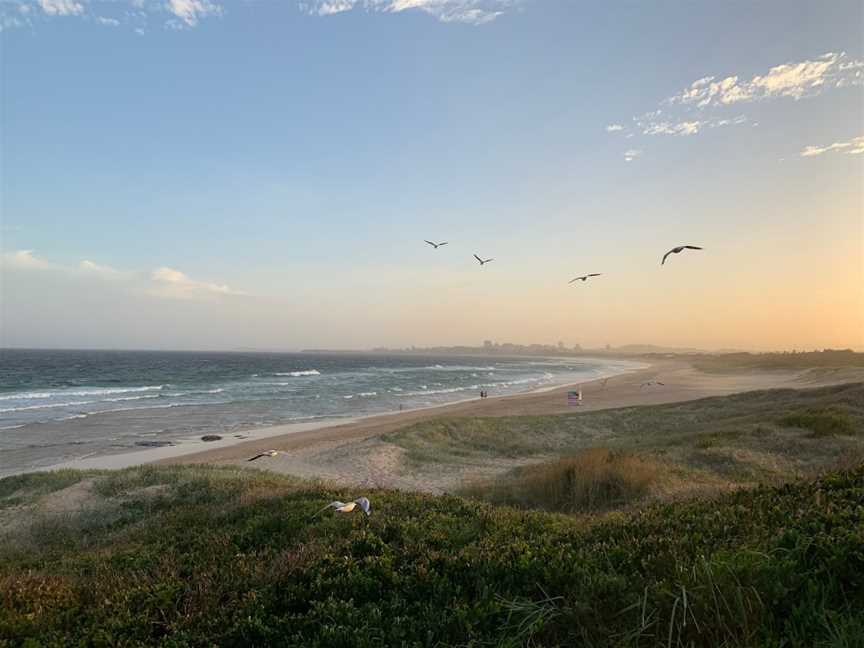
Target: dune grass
{"points": [[20, 489], [828, 358], [742, 438], [200, 556], [592, 480], [821, 422]]}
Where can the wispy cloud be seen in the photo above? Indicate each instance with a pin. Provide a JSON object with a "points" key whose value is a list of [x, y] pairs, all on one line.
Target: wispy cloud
{"points": [[61, 7], [475, 12], [700, 105], [796, 80], [653, 125], [165, 282], [91, 266], [136, 14], [632, 154], [27, 260], [173, 283], [189, 12], [855, 146]]}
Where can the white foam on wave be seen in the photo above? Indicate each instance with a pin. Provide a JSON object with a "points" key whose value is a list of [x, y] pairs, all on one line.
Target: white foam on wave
{"points": [[218, 390], [426, 392], [100, 391], [274, 384], [298, 374], [439, 367], [45, 406], [24, 408]]}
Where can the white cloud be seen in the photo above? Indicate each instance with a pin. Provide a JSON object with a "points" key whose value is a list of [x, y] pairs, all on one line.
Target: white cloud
{"points": [[475, 12], [666, 128], [90, 266], [190, 11], [652, 126], [692, 110], [796, 80], [173, 283], [187, 14], [61, 7], [611, 128], [163, 282], [182, 14], [855, 146], [26, 259], [328, 8], [632, 154]]}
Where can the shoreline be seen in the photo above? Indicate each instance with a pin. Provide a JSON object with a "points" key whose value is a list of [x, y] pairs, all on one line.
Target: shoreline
{"points": [[361, 455], [183, 447], [318, 449]]}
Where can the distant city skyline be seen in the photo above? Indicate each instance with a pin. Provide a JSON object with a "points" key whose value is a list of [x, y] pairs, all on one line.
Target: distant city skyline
{"points": [[197, 174]]}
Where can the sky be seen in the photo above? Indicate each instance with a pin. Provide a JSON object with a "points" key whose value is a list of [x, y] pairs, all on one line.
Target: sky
{"points": [[262, 174]]}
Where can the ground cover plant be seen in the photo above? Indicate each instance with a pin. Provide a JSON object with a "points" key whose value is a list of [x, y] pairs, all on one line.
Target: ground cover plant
{"points": [[199, 556]]}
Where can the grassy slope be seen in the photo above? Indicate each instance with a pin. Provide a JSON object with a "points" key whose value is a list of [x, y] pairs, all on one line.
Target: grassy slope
{"points": [[205, 556], [742, 438], [777, 361]]}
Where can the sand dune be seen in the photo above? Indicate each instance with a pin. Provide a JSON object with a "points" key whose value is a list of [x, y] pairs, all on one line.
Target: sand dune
{"points": [[356, 453]]}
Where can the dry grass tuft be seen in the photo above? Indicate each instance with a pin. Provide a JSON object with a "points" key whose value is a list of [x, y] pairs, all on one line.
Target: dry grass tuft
{"points": [[595, 479]]}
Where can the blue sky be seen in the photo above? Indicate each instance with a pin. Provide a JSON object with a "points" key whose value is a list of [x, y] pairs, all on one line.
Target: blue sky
{"points": [[285, 160]]}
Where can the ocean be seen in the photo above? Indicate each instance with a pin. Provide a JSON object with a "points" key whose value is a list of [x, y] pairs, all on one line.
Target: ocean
{"points": [[59, 406]]}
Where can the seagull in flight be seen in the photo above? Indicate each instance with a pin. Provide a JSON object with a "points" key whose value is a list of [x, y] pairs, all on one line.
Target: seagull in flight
{"points": [[679, 249], [483, 261], [342, 507], [266, 453], [585, 277], [436, 245]]}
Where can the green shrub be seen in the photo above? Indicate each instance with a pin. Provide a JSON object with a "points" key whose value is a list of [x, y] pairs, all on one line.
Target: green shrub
{"points": [[821, 422], [237, 559]]}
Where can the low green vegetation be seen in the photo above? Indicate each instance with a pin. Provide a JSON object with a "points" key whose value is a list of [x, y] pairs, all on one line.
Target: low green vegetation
{"points": [[201, 556], [20, 488], [829, 358], [592, 480], [821, 422], [742, 439]]}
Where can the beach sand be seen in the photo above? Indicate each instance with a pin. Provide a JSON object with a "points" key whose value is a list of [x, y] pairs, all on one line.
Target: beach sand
{"points": [[354, 454]]}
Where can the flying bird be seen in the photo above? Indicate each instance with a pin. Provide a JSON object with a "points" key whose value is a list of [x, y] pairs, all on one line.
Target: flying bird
{"points": [[679, 249], [436, 245], [483, 261], [342, 507], [585, 277], [266, 453]]}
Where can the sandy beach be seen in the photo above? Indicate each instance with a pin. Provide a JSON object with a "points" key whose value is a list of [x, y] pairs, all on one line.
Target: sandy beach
{"points": [[354, 453]]}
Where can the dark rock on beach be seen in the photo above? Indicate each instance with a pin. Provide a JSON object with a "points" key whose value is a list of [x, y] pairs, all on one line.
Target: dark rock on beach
{"points": [[154, 444]]}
